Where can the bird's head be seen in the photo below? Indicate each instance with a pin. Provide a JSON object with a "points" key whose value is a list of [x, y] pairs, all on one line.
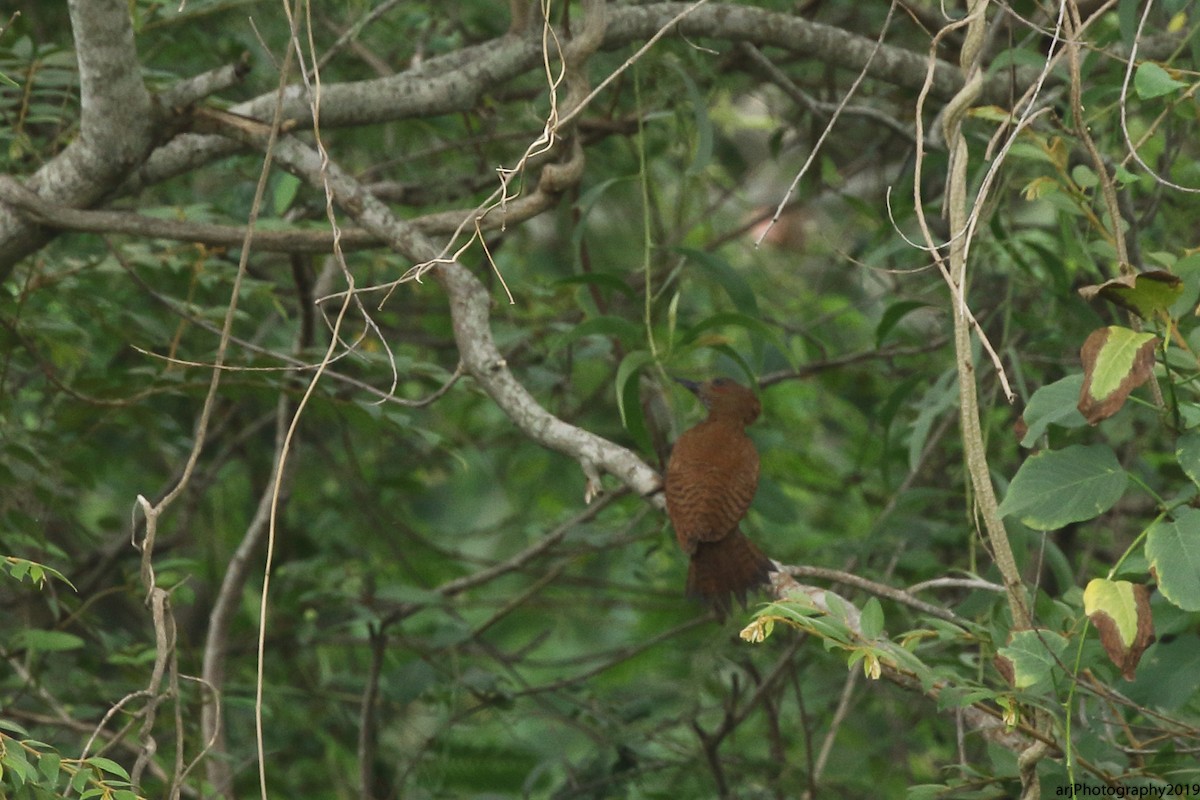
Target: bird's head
{"points": [[725, 398]]}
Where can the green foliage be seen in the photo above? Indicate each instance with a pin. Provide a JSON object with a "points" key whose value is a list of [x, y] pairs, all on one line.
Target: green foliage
{"points": [[22, 568], [446, 615], [33, 769]]}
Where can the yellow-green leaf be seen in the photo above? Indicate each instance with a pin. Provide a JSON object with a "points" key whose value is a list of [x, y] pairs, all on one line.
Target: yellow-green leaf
{"points": [[1116, 361], [1151, 81], [1120, 611]]}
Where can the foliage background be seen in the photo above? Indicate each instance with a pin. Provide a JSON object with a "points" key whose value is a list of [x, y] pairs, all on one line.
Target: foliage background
{"points": [[446, 615]]}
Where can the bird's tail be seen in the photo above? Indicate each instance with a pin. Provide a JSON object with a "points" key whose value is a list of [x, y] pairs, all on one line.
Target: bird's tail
{"points": [[730, 566]]}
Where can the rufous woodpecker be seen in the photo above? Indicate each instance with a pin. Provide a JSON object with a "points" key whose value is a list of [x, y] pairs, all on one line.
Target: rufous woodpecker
{"points": [[711, 478]]}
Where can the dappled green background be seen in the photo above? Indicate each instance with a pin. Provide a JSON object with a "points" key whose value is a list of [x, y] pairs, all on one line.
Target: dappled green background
{"points": [[582, 672]]}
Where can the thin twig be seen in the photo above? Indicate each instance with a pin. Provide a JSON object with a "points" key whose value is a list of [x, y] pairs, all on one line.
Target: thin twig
{"points": [[1123, 103], [829, 126], [879, 590], [293, 48], [800, 97]]}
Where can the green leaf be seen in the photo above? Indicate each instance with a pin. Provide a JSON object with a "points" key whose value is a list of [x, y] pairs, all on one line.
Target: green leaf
{"points": [[1127, 20], [80, 779], [940, 398], [1000, 116], [1173, 550], [672, 318], [1053, 404], [628, 368], [898, 397], [735, 286], [1151, 81], [704, 128], [12, 727], [1146, 294], [1084, 176], [18, 567], [1157, 679], [628, 398], [583, 206], [1188, 270], [48, 765], [1116, 361], [617, 328], [48, 641], [109, 766], [593, 194], [756, 330], [871, 620], [286, 186], [748, 323], [1035, 656], [1187, 452], [892, 315], [1057, 487], [603, 280], [1006, 59], [739, 359], [17, 762]]}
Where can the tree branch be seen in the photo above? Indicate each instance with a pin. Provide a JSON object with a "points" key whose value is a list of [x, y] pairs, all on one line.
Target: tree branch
{"points": [[299, 240], [118, 121], [455, 82], [470, 316], [117, 124], [190, 90]]}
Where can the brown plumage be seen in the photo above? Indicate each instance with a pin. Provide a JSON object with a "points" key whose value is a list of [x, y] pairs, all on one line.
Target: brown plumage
{"points": [[711, 478]]}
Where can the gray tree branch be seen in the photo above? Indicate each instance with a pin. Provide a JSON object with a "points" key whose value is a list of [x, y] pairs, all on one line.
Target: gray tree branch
{"points": [[119, 117], [455, 82], [117, 124]]}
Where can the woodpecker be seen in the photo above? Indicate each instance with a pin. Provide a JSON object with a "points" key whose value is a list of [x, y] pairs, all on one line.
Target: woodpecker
{"points": [[712, 476]]}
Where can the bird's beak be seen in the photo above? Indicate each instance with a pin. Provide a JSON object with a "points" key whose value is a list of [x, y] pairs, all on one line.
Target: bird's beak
{"points": [[692, 386]]}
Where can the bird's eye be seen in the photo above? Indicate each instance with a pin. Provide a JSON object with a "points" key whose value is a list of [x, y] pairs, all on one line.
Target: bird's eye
{"points": [[721, 382]]}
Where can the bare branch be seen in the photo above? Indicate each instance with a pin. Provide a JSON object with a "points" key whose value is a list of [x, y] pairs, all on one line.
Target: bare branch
{"points": [[299, 240], [197, 87], [454, 82], [877, 589]]}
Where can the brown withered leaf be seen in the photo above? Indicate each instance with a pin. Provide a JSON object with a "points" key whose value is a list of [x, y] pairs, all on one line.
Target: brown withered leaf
{"points": [[1116, 361], [1124, 651]]}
